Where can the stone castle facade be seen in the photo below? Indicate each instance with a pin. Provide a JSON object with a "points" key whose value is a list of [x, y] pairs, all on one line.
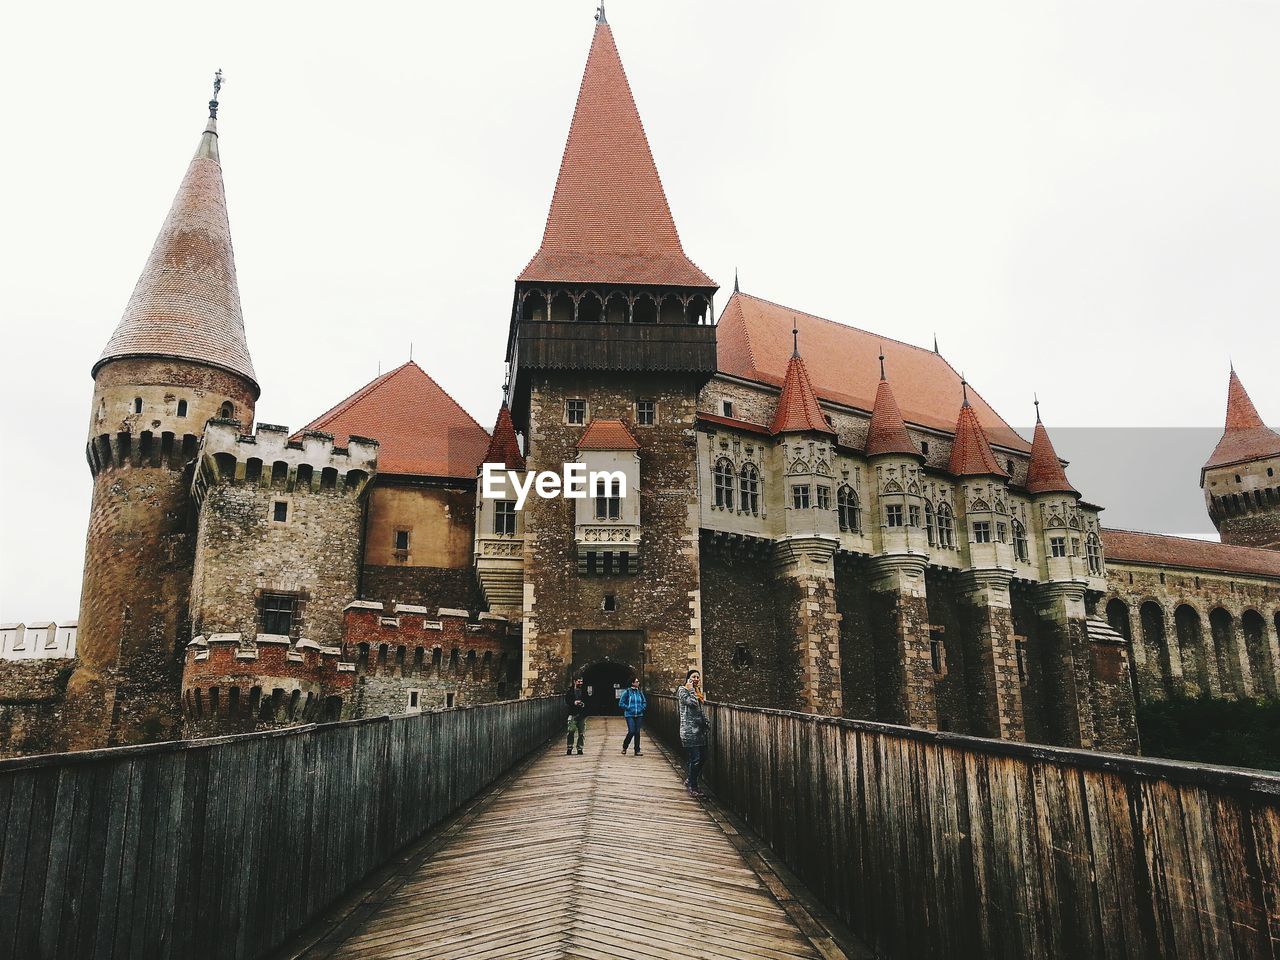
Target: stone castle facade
{"points": [[821, 518]]}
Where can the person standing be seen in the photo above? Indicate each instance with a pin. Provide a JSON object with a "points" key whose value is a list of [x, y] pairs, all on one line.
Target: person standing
{"points": [[576, 701], [693, 727], [633, 703]]}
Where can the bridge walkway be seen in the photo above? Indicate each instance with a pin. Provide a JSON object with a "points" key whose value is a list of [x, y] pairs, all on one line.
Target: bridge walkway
{"points": [[596, 857]]}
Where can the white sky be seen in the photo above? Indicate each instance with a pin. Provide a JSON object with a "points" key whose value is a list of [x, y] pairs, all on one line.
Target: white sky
{"points": [[1080, 198]]}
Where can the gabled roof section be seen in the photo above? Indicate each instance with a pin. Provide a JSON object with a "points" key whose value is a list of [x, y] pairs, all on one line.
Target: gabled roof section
{"points": [[1245, 436], [753, 342], [1158, 549], [887, 432], [420, 429], [609, 220], [186, 304], [504, 445], [798, 409], [1045, 473], [608, 435], [971, 453]]}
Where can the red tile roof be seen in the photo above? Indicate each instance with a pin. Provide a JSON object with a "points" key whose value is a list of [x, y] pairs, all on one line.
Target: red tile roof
{"points": [[887, 432], [1157, 549], [186, 304], [609, 219], [420, 429], [971, 454], [608, 435], [734, 422], [1045, 473], [798, 409], [1245, 437], [504, 446], [753, 341]]}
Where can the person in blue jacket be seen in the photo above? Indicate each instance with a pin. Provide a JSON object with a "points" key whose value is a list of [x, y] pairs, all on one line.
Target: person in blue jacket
{"points": [[632, 703]]}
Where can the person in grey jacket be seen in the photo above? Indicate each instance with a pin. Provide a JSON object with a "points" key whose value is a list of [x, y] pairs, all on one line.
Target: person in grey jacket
{"points": [[693, 727]]}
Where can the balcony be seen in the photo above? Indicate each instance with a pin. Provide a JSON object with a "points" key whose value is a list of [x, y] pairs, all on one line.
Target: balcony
{"points": [[656, 347]]}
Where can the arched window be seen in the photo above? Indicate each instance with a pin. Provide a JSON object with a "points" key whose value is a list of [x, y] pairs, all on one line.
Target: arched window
{"points": [[848, 509], [228, 411], [182, 408], [1093, 553], [137, 404], [1118, 617], [1021, 546], [946, 527], [723, 484], [749, 490], [931, 523]]}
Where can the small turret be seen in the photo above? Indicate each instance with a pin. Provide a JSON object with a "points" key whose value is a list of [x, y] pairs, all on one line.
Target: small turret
{"points": [[1241, 478], [896, 462], [984, 493]]}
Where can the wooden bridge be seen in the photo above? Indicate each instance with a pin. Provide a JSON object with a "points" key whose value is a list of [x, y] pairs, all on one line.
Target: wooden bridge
{"points": [[463, 834]]}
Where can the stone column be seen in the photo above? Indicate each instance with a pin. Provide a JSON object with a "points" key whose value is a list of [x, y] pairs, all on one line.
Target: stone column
{"points": [[805, 565], [905, 690], [1065, 655], [991, 654]]}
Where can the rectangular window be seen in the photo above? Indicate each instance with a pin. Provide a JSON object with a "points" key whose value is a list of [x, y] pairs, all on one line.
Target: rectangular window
{"points": [[415, 701], [280, 511], [402, 539], [824, 498], [893, 515], [448, 700], [1002, 532], [1075, 546], [610, 603], [1058, 546], [504, 517], [277, 614], [982, 532], [575, 412], [1020, 644], [608, 501], [800, 496], [726, 408], [646, 412], [913, 515]]}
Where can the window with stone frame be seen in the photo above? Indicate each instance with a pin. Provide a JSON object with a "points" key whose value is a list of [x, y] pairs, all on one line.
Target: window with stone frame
{"points": [[504, 517], [749, 490], [1002, 532], [276, 613], [182, 408], [1021, 547], [913, 515], [982, 531], [930, 523], [824, 497], [1093, 553], [280, 511], [1058, 546], [400, 546], [946, 527], [848, 509], [893, 515], [726, 408], [608, 499], [1075, 546], [646, 413], [800, 496], [575, 412], [722, 483]]}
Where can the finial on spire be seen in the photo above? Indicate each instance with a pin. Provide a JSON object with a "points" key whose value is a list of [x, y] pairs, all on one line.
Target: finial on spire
{"points": [[735, 280], [600, 18], [964, 389], [882, 376], [795, 338], [217, 87], [1036, 398], [1231, 363], [935, 343]]}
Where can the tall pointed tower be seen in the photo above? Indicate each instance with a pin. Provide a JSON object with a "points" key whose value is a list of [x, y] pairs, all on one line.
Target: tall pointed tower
{"points": [[611, 323], [1241, 478], [177, 359]]}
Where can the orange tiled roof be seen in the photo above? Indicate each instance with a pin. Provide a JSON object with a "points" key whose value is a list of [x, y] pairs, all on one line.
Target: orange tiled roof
{"points": [[1045, 473], [609, 220], [1245, 437], [798, 408], [1159, 549], [504, 446], [746, 425], [608, 435], [420, 429], [887, 433], [186, 303], [753, 341], [971, 454]]}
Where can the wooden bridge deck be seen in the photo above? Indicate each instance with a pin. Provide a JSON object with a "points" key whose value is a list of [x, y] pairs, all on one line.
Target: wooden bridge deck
{"points": [[596, 857]]}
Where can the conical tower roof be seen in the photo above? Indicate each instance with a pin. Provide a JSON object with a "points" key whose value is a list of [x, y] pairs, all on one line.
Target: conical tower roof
{"points": [[609, 220], [798, 410], [971, 453], [186, 304], [1045, 473], [888, 432], [1245, 436], [504, 446]]}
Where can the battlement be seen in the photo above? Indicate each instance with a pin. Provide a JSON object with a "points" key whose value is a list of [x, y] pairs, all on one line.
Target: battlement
{"points": [[167, 450], [405, 640], [269, 457]]}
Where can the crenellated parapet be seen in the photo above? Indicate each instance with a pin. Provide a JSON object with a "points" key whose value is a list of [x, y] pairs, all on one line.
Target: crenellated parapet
{"points": [[270, 458]]}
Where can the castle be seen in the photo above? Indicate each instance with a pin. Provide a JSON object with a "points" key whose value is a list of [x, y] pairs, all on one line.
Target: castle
{"points": [[822, 518]]}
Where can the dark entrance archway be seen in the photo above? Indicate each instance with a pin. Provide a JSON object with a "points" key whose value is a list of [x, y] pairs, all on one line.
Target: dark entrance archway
{"points": [[604, 682]]}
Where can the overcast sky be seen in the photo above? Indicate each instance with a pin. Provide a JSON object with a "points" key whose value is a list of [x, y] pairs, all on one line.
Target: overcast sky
{"points": [[1079, 198]]}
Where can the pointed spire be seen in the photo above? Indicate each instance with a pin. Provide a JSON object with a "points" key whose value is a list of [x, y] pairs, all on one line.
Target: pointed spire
{"points": [[1045, 473], [935, 345], [504, 445], [186, 304], [736, 289], [971, 453], [1245, 436], [609, 220], [888, 431], [798, 410]]}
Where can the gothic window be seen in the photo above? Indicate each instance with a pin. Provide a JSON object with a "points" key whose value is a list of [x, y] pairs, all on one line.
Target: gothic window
{"points": [[800, 496], [1093, 552], [749, 490], [646, 413], [913, 515], [723, 483], [824, 497], [504, 517], [575, 412], [1058, 546], [182, 408], [930, 524], [276, 615], [982, 531], [608, 500], [893, 515], [946, 527], [847, 507], [1021, 548]]}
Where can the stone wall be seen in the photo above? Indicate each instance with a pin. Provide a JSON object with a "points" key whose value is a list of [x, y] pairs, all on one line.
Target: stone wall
{"points": [[33, 707], [857, 639], [745, 658], [431, 587]]}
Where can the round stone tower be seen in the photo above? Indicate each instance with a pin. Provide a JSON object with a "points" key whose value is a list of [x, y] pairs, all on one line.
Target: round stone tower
{"points": [[177, 359]]}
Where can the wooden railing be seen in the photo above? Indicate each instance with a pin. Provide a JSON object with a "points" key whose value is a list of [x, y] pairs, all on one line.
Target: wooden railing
{"points": [[934, 845], [225, 847]]}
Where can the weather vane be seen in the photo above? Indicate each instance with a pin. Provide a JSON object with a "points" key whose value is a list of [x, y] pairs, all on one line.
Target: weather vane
{"points": [[217, 86]]}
